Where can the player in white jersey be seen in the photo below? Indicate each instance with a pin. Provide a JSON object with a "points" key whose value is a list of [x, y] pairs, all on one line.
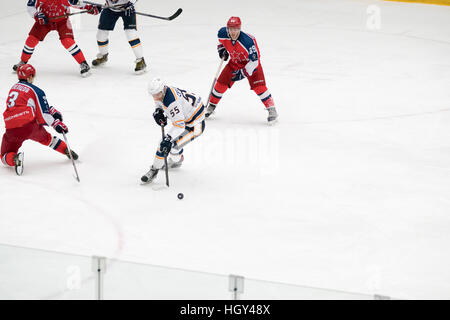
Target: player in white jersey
{"points": [[187, 114], [114, 10]]}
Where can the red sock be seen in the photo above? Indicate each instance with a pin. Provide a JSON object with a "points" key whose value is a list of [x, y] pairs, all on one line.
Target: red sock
{"points": [[28, 48], [73, 49], [8, 158], [265, 96]]}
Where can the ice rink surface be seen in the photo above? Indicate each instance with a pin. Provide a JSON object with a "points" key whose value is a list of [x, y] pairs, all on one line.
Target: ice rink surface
{"points": [[349, 191]]}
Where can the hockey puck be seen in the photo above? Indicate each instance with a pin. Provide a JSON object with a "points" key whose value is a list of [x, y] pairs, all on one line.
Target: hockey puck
{"points": [[180, 196]]}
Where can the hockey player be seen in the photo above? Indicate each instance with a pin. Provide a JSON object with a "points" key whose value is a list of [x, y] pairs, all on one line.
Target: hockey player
{"points": [[27, 112], [187, 114], [244, 62], [49, 16], [114, 10]]}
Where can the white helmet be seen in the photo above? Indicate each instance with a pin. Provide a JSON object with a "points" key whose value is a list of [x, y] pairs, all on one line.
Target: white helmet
{"points": [[156, 85]]}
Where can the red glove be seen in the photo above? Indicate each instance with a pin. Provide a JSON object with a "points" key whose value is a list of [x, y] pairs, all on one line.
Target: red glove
{"points": [[94, 10], [56, 114], [41, 18], [59, 126]]}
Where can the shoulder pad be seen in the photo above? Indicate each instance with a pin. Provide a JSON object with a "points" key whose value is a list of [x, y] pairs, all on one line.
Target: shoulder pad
{"points": [[246, 40], [168, 98], [223, 33]]}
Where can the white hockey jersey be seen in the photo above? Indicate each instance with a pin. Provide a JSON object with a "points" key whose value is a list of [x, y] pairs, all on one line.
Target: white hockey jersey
{"points": [[118, 3], [184, 109]]}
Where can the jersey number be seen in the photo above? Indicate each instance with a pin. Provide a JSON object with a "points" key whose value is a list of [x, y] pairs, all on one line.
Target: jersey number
{"points": [[188, 97], [173, 113], [11, 102]]}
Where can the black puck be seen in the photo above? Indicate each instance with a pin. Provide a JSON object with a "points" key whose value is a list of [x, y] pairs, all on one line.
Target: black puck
{"points": [[180, 196]]}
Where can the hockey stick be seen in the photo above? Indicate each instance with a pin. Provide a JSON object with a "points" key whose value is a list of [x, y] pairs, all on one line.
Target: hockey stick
{"points": [[215, 79], [165, 159], [68, 15], [71, 158], [176, 14]]}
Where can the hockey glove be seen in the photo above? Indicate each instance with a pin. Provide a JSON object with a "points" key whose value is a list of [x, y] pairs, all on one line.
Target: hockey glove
{"points": [[129, 9], [166, 145], [41, 18], [56, 114], [160, 117], [94, 10], [59, 126], [239, 74], [223, 53]]}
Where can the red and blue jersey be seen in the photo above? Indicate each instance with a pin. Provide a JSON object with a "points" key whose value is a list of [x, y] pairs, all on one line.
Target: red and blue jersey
{"points": [[244, 52], [51, 8], [26, 103]]}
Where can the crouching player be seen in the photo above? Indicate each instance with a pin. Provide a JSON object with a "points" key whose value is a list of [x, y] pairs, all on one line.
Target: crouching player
{"points": [[187, 114], [27, 112]]}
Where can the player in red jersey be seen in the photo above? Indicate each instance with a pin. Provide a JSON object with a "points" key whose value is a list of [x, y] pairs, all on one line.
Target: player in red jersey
{"points": [[27, 112], [49, 16], [244, 62]]}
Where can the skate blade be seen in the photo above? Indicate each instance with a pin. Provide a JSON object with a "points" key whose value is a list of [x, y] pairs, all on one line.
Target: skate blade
{"points": [[86, 74], [273, 122], [140, 72]]}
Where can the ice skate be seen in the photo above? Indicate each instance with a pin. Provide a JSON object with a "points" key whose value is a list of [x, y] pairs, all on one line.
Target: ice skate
{"points": [[140, 66], [174, 164], [101, 59], [18, 163], [273, 115], [16, 66], [74, 155], [84, 69], [150, 176], [210, 110]]}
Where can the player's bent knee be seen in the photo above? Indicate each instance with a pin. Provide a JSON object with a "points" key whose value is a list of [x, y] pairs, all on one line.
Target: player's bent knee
{"points": [[260, 89]]}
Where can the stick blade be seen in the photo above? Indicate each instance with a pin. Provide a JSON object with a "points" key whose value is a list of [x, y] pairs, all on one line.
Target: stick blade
{"points": [[176, 14]]}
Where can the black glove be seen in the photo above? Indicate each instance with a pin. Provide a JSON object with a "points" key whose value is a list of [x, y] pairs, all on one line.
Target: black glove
{"points": [[160, 117], [129, 9], [56, 114], [59, 126], [41, 18], [166, 145], [73, 2], [223, 53]]}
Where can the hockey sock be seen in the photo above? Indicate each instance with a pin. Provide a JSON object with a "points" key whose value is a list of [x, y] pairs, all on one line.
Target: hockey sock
{"points": [[135, 43], [217, 93], [28, 48], [58, 145], [102, 41], [73, 49], [8, 158], [265, 96], [159, 160]]}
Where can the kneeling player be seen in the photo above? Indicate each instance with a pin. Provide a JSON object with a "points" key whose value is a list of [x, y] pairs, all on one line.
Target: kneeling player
{"points": [[52, 15], [27, 112], [187, 114]]}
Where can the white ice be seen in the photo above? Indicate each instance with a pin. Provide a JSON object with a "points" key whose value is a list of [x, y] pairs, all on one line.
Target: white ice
{"points": [[349, 191]]}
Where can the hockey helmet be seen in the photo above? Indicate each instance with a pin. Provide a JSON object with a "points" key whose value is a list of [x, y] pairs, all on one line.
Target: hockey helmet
{"points": [[156, 85], [25, 71], [234, 22]]}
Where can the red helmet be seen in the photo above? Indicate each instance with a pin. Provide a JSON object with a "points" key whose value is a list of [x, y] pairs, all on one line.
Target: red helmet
{"points": [[234, 22], [25, 71]]}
